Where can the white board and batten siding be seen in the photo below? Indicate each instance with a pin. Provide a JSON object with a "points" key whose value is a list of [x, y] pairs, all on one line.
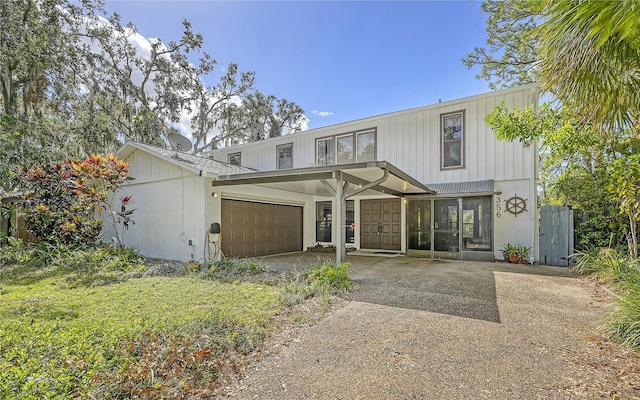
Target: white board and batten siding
{"points": [[169, 209], [410, 140]]}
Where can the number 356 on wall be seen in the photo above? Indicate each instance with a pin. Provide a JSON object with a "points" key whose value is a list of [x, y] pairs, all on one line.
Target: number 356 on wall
{"points": [[498, 206]]}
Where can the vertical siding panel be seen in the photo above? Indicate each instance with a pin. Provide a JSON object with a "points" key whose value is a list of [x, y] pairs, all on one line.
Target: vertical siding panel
{"points": [[474, 156], [419, 149], [482, 133], [434, 144]]}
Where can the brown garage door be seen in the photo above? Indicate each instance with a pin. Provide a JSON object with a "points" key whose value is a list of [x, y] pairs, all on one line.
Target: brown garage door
{"points": [[257, 229]]}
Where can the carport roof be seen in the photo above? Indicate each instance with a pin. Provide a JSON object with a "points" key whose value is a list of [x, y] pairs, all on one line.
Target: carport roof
{"points": [[310, 180]]}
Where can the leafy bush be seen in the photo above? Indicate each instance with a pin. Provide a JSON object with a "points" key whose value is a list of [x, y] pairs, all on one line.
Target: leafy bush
{"points": [[324, 280], [623, 273], [330, 276], [609, 264], [14, 253], [65, 200]]}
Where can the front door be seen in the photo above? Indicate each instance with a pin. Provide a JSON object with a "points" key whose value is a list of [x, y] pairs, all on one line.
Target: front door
{"points": [[380, 224]]}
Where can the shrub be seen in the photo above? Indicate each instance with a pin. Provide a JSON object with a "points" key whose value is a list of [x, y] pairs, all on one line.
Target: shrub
{"points": [[624, 325], [624, 273], [330, 276], [237, 267], [65, 200]]}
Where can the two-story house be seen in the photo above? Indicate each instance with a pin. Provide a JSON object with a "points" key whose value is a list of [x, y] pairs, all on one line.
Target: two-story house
{"points": [[431, 181]]}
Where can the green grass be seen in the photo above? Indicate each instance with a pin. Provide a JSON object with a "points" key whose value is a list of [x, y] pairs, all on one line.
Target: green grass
{"points": [[61, 337], [86, 323]]}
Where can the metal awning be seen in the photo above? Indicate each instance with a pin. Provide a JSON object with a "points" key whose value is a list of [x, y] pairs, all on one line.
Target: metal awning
{"points": [[310, 180]]}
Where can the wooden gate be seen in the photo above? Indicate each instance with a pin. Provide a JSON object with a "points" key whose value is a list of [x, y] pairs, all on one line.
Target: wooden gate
{"points": [[556, 235]]}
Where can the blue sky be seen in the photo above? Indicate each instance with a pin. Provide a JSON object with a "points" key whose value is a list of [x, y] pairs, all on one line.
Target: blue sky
{"points": [[339, 61]]}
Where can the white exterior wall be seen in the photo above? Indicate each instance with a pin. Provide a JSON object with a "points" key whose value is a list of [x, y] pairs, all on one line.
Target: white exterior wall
{"points": [[410, 140], [169, 203]]}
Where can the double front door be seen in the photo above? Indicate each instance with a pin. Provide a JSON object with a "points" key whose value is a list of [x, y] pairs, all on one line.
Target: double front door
{"points": [[380, 224]]}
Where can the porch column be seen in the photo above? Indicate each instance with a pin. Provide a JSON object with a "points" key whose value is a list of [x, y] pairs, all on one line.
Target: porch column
{"points": [[341, 205]]}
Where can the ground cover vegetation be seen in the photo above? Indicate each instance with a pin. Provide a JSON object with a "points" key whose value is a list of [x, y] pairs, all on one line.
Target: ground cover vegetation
{"points": [[102, 322], [79, 318], [585, 55]]}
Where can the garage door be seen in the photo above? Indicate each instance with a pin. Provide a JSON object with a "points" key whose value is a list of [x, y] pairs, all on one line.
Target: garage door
{"points": [[252, 229]]}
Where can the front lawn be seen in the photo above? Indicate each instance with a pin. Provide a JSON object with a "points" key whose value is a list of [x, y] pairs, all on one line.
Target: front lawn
{"points": [[151, 337]]}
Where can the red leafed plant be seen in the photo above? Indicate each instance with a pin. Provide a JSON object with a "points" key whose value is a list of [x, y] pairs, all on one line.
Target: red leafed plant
{"points": [[65, 201]]}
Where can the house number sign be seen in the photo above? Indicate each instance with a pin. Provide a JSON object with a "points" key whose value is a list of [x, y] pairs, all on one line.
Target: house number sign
{"points": [[498, 207]]}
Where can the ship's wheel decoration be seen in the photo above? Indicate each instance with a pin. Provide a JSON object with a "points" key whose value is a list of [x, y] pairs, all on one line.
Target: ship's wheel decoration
{"points": [[516, 205]]}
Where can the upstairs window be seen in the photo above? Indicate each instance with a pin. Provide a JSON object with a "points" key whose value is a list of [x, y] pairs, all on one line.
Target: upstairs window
{"points": [[234, 159], [346, 148], [285, 156], [324, 151], [452, 140], [366, 146]]}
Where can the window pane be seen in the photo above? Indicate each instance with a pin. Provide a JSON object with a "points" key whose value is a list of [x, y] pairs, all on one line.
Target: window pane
{"points": [[234, 159], [345, 149], [285, 156], [366, 146], [323, 221], [452, 154], [324, 150], [452, 125], [349, 219]]}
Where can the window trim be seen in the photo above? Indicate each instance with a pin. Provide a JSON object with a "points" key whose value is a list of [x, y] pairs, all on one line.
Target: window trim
{"points": [[462, 140], [230, 155], [354, 134], [281, 146]]}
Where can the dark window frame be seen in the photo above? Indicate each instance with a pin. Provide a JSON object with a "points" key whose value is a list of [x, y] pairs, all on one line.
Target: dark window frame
{"points": [[231, 156], [354, 135], [461, 113], [278, 158]]}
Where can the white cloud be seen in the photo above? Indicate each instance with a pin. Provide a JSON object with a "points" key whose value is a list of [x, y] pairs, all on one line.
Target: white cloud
{"points": [[322, 113]]}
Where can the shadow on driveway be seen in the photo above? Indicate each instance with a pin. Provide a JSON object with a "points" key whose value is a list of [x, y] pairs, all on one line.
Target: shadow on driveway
{"points": [[460, 288]]}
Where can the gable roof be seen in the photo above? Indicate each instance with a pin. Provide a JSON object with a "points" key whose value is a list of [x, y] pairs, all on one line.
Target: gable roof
{"points": [[196, 164]]}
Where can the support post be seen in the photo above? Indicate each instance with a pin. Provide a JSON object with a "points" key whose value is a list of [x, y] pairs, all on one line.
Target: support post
{"points": [[341, 253]]}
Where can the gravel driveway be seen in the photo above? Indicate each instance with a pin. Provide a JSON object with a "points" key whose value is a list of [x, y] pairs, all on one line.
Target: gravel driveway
{"points": [[425, 329]]}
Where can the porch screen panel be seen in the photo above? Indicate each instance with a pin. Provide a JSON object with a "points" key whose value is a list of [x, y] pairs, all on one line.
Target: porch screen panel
{"points": [[419, 220], [477, 224], [446, 232]]}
